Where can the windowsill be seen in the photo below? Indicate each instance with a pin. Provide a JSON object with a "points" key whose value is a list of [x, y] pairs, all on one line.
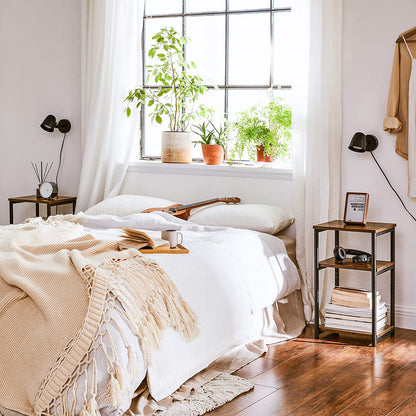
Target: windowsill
{"points": [[195, 168]]}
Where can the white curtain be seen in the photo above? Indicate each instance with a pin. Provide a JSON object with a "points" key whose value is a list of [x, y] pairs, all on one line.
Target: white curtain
{"points": [[317, 129], [111, 67]]}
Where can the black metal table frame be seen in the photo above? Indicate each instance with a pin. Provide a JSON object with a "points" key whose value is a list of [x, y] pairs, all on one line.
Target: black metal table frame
{"points": [[48, 207], [374, 275]]}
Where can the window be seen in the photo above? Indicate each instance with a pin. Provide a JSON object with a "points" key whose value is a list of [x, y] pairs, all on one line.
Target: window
{"points": [[242, 46]]}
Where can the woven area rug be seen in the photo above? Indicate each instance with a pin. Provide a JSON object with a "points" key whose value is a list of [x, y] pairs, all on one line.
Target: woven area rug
{"points": [[220, 390], [217, 392]]}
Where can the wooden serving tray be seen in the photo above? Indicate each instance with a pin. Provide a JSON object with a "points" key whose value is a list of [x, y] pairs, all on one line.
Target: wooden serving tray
{"points": [[180, 249]]}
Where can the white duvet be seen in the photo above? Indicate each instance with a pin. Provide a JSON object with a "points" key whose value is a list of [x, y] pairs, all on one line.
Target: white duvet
{"points": [[228, 278]]}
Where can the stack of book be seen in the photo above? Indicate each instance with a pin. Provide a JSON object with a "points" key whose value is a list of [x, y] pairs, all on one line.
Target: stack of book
{"points": [[350, 309]]}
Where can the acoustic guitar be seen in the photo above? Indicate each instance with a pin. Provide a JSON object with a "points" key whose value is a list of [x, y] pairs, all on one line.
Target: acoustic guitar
{"points": [[183, 211]]}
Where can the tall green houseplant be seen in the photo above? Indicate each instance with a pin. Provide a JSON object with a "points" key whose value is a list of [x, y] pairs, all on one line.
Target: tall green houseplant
{"points": [[176, 89], [266, 125]]}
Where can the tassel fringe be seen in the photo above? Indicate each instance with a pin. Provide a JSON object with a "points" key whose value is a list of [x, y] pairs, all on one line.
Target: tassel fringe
{"points": [[91, 408], [150, 302]]}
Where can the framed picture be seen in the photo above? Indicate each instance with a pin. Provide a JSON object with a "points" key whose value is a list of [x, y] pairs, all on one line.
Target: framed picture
{"points": [[356, 207]]}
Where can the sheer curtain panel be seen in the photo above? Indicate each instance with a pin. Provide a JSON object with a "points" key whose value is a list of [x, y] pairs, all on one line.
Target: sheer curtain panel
{"points": [[111, 66], [317, 129]]}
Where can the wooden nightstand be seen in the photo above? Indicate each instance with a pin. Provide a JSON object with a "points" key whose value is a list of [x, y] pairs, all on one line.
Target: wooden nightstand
{"points": [[376, 267], [59, 200]]}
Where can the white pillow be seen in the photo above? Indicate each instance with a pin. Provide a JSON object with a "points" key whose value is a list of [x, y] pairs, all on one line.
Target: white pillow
{"points": [[123, 205], [264, 218]]}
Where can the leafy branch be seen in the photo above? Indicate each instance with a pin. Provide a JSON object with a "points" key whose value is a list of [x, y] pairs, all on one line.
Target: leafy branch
{"points": [[268, 125], [176, 90]]}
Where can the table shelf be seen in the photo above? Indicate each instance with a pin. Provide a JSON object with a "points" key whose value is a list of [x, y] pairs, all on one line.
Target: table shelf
{"points": [[381, 332], [381, 265]]}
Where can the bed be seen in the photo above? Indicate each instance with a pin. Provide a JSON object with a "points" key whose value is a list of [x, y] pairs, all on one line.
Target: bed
{"points": [[237, 282]]}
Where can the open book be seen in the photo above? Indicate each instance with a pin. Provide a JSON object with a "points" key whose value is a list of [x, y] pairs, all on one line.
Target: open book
{"points": [[139, 239]]}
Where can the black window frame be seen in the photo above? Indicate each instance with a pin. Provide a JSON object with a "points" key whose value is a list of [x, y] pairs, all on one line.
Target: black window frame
{"points": [[226, 86]]}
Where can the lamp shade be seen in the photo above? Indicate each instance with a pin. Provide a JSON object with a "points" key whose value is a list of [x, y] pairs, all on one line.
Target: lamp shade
{"points": [[49, 123], [361, 143], [358, 143]]}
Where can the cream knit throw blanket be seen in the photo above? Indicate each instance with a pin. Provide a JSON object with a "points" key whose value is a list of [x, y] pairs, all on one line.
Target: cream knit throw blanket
{"points": [[54, 295]]}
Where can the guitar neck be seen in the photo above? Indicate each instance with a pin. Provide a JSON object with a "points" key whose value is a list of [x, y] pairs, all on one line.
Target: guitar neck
{"points": [[195, 204]]}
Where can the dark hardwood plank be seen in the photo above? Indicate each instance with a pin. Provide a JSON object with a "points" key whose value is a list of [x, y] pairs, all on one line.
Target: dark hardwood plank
{"points": [[406, 408], [256, 367], [288, 349], [305, 362], [387, 362], [336, 375], [338, 395], [303, 385], [269, 406], [393, 391]]}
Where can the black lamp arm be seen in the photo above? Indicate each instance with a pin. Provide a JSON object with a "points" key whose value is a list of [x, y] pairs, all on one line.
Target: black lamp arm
{"points": [[60, 159]]}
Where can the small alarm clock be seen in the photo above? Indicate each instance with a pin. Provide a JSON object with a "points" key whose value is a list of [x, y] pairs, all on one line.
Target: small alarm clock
{"points": [[48, 190]]}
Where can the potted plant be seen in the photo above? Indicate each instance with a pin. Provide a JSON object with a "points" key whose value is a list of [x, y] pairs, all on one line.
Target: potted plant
{"points": [[174, 96], [264, 131], [212, 142]]}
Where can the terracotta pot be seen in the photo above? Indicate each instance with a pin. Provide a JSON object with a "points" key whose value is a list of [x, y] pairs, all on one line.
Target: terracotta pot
{"points": [[176, 147], [261, 157], [213, 154]]}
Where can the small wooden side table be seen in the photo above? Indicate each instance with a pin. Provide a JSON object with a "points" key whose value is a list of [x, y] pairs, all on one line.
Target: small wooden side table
{"points": [[59, 200], [376, 267]]}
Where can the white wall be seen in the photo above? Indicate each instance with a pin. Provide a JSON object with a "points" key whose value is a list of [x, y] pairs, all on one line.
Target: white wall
{"points": [[370, 31], [39, 75]]}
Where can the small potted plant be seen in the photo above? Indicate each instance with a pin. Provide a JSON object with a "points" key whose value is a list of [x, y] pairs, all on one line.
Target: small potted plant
{"points": [[264, 131], [212, 141], [174, 96]]}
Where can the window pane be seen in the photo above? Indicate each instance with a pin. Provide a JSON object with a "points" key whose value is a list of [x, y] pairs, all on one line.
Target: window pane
{"points": [[153, 135], [152, 26], [241, 100], [282, 3], [204, 6], [207, 47], [154, 7], [283, 49], [249, 49], [248, 4]]}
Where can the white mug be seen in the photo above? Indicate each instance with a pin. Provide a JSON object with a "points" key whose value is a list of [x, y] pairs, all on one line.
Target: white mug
{"points": [[174, 237]]}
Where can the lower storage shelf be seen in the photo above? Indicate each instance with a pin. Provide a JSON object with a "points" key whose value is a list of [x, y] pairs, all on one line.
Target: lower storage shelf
{"points": [[386, 329]]}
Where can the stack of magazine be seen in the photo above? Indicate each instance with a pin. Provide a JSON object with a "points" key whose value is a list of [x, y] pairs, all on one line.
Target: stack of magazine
{"points": [[350, 310]]}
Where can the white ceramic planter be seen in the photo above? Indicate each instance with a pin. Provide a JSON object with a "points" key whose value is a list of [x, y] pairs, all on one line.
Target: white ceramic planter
{"points": [[176, 147]]}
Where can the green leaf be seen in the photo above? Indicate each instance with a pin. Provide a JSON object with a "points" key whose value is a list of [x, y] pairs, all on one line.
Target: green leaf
{"points": [[150, 103], [128, 111], [158, 119]]}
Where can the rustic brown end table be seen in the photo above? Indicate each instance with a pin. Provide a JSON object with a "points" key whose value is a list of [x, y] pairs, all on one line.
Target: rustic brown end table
{"points": [[34, 199]]}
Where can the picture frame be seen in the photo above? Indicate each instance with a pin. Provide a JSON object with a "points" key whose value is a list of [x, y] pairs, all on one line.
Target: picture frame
{"points": [[356, 208]]}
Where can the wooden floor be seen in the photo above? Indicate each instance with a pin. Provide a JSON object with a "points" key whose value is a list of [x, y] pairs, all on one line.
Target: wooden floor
{"points": [[332, 376]]}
